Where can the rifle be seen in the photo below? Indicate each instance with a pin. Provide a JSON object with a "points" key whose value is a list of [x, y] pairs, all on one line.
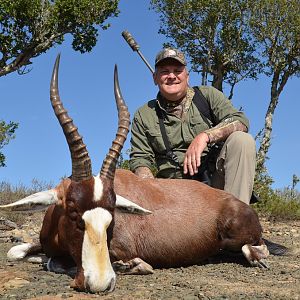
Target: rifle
{"points": [[135, 47]]}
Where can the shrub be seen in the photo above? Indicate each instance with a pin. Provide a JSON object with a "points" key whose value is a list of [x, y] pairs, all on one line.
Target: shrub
{"points": [[281, 204]]}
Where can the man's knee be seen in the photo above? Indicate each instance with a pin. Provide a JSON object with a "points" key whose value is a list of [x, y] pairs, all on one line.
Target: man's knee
{"points": [[240, 140]]}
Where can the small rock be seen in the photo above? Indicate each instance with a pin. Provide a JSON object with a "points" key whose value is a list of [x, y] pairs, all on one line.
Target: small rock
{"points": [[66, 295], [7, 224], [16, 283], [190, 297]]}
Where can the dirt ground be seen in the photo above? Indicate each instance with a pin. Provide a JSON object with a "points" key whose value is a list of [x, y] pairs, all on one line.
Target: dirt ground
{"points": [[220, 278]]}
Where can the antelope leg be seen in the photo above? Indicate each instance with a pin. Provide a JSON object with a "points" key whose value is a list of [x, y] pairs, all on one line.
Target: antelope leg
{"points": [[20, 251], [134, 266], [256, 255]]}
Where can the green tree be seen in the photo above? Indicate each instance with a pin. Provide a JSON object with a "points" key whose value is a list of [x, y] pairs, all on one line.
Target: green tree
{"points": [[276, 29], [29, 28], [7, 131], [215, 36], [237, 39]]}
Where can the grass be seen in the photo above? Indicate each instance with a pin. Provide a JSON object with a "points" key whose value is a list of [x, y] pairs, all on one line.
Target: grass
{"points": [[10, 193]]}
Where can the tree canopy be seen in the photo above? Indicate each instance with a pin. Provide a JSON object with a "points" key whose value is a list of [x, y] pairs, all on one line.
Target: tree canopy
{"points": [[275, 25], [237, 39], [29, 28], [215, 36]]}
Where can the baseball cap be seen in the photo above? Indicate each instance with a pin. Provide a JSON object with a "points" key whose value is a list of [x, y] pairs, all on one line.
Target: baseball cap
{"points": [[170, 53]]}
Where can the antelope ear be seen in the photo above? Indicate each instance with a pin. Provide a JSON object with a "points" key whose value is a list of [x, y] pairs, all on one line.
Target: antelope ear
{"points": [[130, 207], [34, 202]]}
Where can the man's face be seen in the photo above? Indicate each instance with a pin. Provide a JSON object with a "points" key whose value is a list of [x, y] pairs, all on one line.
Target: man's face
{"points": [[172, 79]]}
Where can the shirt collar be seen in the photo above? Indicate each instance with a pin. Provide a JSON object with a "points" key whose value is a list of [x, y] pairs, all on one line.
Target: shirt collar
{"points": [[165, 105]]}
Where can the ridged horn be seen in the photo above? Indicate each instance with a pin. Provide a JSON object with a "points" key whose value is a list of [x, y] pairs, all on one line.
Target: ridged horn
{"points": [[81, 163], [110, 162]]}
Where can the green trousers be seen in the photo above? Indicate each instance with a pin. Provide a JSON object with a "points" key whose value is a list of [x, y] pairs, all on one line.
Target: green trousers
{"points": [[235, 166]]}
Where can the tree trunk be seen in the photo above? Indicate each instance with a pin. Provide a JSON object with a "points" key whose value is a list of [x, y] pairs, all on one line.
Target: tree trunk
{"points": [[218, 79], [204, 78], [266, 140], [277, 86]]}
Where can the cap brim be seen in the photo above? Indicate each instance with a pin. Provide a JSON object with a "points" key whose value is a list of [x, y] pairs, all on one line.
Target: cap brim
{"points": [[174, 58]]}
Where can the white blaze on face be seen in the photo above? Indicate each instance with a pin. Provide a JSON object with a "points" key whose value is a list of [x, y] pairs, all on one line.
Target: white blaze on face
{"points": [[98, 188], [98, 272]]}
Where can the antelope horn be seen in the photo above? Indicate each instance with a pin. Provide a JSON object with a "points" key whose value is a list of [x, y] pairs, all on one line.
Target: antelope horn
{"points": [[110, 162], [81, 163]]}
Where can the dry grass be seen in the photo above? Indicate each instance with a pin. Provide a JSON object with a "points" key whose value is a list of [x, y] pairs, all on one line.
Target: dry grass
{"points": [[10, 193]]}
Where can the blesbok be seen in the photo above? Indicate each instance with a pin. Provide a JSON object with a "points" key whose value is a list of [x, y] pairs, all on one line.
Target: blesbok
{"points": [[180, 222]]}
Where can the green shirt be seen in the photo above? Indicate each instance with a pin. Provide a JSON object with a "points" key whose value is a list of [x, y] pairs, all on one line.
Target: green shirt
{"points": [[147, 146]]}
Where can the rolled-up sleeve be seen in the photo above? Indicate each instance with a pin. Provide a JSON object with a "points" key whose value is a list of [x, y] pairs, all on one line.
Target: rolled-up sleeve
{"points": [[141, 154]]}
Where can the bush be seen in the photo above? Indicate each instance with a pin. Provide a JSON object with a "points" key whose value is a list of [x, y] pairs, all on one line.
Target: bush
{"points": [[281, 204], [277, 206]]}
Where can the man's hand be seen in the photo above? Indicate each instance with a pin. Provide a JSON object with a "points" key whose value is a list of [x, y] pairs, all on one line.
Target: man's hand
{"points": [[192, 159]]}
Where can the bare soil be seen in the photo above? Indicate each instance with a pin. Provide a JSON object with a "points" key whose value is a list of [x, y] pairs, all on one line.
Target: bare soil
{"points": [[219, 278]]}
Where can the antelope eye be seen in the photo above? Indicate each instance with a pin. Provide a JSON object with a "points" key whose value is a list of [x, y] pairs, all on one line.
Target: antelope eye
{"points": [[80, 224]]}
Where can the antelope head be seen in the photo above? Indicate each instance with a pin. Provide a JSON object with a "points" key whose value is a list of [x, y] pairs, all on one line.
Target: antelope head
{"points": [[83, 204], [89, 201]]}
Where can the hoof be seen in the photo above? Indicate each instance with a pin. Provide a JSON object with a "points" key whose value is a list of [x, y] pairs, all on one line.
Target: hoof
{"points": [[256, 255]]}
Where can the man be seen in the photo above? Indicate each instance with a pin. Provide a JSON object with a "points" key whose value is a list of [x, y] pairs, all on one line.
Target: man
{"points": [[191, 141]]}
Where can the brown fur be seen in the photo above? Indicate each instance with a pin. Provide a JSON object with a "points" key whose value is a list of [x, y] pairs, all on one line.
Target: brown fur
{"points": [[190, 222]]}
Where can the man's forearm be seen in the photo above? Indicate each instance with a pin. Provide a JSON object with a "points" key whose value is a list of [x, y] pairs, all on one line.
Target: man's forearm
{"points": [[143, 172], [221, 131]]}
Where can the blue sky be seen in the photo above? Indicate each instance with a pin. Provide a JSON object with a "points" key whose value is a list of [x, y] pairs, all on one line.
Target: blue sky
{"points": [[86, 89]]}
